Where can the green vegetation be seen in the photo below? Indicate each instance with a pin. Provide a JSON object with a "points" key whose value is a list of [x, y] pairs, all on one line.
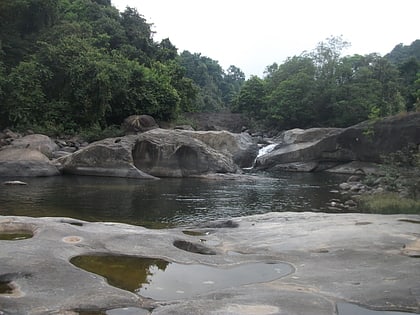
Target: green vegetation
{"points": [[400, 179], [81, 66], [71, 66], [322, 88], [388, 203]]}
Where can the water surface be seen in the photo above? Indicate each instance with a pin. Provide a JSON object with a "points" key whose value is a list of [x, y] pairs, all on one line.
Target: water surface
{"points": [[166, 202]]}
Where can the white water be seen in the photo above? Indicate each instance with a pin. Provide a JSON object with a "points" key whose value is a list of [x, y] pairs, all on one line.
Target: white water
{"points": [[267, 149]]}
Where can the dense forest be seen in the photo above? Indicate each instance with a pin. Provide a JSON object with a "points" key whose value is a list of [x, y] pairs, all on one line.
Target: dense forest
{"points": [[68, 66]]}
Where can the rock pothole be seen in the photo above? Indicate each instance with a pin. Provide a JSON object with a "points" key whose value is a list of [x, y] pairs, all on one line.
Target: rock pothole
{"points": [[14, 231], [195, 248]]}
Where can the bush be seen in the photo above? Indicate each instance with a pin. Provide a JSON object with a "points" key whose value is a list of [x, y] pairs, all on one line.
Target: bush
{"points": [[388, 203]]}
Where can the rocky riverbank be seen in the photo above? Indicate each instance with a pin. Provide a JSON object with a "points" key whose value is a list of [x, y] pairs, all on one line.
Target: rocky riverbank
{"points": [[155, 152], [363, 259]]}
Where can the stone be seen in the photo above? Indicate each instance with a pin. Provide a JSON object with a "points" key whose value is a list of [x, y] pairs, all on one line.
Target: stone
{"points": [[25, 162], [302, 147], [107, 157], [155, 153], [345, 186], [178, 153], [39, 142], [364, 143], [240, 146], [139, 123], [356, 167], [365, 259], [369, 141]]}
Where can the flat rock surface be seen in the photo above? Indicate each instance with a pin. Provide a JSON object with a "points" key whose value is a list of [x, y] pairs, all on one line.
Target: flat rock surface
{"points": [[369, 260]]}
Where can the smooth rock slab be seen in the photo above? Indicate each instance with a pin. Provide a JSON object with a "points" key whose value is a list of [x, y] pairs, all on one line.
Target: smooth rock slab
{"points": [[354, 258]]}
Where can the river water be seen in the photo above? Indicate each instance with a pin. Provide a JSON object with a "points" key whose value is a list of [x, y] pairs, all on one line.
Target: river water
{"points": [[168, 202]]}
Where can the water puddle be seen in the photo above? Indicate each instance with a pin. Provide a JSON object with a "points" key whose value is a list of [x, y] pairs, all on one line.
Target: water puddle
{"points": [[352, 309], [6, 287], [162, 280], [13, 236]]}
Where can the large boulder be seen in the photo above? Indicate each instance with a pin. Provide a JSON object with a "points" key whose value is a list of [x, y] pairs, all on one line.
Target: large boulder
{"points": [[302, 150], [158, 152], [175, 153], [110, 157], [370, 141], [38, 142], [240, 146], [139, 123], [25, 162], [325, 148]]}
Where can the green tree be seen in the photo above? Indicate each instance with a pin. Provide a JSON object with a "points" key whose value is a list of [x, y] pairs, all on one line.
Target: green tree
{"points": [[252, 98], [291, 97], [24, 100]]}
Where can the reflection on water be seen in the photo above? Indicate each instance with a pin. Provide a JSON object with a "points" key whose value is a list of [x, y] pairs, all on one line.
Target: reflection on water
{"points": [[352, 309], [166, 202], [161, 280]]}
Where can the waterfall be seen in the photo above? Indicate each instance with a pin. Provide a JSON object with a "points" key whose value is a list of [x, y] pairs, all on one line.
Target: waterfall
{"points": [[267, 149], [264, 150]]}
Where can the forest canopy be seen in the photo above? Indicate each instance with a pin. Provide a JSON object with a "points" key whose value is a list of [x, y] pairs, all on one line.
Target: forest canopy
{"points": [[73, 65]]}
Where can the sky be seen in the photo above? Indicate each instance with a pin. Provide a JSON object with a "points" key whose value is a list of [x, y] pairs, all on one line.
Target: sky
{"points": [[253, 34]]}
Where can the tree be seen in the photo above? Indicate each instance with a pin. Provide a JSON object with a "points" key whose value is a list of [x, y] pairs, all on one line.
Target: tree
{"points": [[291, 96], [252, 98]]}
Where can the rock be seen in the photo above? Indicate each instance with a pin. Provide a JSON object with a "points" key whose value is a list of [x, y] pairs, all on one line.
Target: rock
{"points": [[356, 167], [368, 141], [304, 135], [139, 123], [303, 146], [240, 146], [295, 167], [178, 153], [364, 142], [184, 127], [158, 152], [15, 183], [104, 158], [380, 271], [345, 186], [351, 203], [38, 142], [25, 162]]}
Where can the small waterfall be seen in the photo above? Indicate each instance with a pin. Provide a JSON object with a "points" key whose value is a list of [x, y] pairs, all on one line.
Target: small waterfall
{"points": [[263, 151], [267, 149]]}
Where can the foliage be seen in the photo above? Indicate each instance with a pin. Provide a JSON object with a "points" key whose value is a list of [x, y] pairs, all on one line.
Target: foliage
{"points": [[68, 66], [389, 203], [322, 88]]}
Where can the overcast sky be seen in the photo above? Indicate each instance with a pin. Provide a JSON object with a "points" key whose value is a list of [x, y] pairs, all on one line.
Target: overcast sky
{"points": [[253, 34]]}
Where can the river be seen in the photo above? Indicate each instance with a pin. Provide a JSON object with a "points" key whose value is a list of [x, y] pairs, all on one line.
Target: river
{"points": [[168, 202]]}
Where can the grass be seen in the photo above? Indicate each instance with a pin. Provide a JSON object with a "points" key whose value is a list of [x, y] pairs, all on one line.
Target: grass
{"points": [[389, 203]]}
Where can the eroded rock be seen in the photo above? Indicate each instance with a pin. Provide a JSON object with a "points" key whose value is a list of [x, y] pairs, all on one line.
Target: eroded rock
{"points": [[358, 258]]}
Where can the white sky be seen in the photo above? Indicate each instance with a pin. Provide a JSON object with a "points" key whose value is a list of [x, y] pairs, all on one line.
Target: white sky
{"points": [[253, 34]]}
